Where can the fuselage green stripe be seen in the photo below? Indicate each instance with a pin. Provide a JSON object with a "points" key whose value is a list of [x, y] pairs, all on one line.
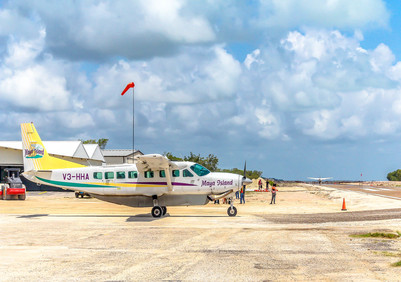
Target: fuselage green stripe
{"points": [[73, 184]]}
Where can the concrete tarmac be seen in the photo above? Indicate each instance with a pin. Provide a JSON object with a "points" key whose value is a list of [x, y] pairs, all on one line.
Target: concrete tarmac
{"points": [[305, 236], [392, 192]]}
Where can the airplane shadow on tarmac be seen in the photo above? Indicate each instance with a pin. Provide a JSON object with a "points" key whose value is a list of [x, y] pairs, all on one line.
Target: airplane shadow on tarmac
{"points": [[146, 217], [138, 217], [32, 215]]}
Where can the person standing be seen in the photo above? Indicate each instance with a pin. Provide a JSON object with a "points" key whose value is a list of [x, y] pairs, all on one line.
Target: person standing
{"points": [[237, 194], [267, 184], [242, 197], [260, 184], [274, 191]]}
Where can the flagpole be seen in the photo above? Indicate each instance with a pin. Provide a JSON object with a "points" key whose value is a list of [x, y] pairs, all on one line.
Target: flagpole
{"points": [[131, 85], [133, 124]]}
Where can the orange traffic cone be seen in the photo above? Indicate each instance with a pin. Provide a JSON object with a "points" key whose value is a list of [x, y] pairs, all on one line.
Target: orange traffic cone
{"points": [[344, 208]]}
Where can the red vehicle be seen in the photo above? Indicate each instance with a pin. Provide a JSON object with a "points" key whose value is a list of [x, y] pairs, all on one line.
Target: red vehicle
{"points": [[13, 188]]}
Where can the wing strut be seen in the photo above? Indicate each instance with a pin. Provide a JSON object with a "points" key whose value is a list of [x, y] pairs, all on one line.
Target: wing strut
{"points": [[168, 178]]}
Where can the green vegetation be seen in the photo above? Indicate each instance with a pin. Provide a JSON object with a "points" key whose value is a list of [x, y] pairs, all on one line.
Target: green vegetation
{"points": [[378, 235], [210, 162], [251, 174], [394, 176], [102, 142], [396, 264], [389, 254]]}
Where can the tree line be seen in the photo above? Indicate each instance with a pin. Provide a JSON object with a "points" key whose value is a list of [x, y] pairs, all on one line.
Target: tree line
{"points": [[211, 162], [394, 176]]}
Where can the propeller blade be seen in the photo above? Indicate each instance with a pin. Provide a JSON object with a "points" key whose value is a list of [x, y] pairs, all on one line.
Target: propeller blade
{"points": [[245, 180]]}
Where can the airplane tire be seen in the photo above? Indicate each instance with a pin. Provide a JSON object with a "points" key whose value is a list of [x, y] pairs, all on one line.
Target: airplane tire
{"points": [[157, 211], [22, 197], [232, 212], [164, 208]]}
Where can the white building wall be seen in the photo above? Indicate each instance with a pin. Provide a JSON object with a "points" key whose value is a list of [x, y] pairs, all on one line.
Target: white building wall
{"points": [[114, 160], [10, 157]]}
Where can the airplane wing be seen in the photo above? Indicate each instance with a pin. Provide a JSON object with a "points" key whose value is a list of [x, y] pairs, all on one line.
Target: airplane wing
{"points": [[156, 162], [320, 178]]}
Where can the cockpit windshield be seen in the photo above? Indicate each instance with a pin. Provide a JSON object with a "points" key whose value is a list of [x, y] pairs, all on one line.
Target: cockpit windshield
{"points": [[200, 170]]}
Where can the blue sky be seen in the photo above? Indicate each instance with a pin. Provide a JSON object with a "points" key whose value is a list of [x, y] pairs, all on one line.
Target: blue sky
{"points": [[297, 88]]}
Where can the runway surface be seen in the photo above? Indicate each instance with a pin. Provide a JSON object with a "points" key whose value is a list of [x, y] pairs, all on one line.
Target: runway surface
{"points": [[304, 237], [388, 192]]}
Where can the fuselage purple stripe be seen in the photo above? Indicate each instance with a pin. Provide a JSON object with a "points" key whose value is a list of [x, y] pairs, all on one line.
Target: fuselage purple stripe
{"points": [[159, 183]]}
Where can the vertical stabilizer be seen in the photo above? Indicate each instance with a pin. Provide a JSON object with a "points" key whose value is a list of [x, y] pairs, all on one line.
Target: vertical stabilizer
{"points": [[35, 155]]}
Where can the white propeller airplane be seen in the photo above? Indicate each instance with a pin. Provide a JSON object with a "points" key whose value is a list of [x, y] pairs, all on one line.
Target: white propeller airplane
{"points": [[154, 181], [320, 178]]}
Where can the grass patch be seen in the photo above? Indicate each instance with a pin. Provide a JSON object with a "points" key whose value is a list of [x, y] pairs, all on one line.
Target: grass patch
{"points": [[378, 235], [389, 254], [396, 264]]}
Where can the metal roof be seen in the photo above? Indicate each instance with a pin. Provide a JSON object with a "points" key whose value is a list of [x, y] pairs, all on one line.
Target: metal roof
{"points": [[94, 152]]}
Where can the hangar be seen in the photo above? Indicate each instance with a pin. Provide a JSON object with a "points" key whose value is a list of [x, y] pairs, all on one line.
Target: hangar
{"points": [[120, 156], [74, 151]]}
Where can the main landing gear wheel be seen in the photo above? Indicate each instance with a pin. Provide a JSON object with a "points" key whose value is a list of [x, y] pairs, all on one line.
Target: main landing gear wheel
{"points": [[232, 211], [157, 211], [164, 208]]}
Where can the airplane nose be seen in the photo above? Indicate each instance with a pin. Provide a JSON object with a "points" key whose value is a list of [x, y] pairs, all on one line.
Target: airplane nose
{"points": [[246, 181]]}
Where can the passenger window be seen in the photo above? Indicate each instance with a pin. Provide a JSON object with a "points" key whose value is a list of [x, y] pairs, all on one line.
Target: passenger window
{"points": [[97, 175], [109, 175], [149, 174], [186, 173], [162, 173], [132, 174], [176, 173], [120, 174]]}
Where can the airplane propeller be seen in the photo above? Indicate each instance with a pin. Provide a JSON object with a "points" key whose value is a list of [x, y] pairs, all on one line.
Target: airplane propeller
{"points": [[245, 180]]}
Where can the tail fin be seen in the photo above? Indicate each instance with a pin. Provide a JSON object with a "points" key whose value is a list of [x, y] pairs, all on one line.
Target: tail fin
{"points": [[35, 155]]}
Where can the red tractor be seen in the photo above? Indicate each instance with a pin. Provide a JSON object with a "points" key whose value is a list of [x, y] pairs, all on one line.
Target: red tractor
{"points": [[13, 187]]}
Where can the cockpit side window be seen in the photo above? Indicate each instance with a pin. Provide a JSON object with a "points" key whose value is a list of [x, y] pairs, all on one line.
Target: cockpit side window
{"points": [[200, 170], [176, 173], [162, 174], [186, 173]]}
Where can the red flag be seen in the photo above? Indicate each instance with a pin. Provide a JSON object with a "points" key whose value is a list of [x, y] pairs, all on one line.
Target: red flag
{"points": [[129, 85]]}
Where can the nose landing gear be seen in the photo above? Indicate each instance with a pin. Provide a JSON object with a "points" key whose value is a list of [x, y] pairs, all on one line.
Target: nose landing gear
{"points": [[232, 211]]}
